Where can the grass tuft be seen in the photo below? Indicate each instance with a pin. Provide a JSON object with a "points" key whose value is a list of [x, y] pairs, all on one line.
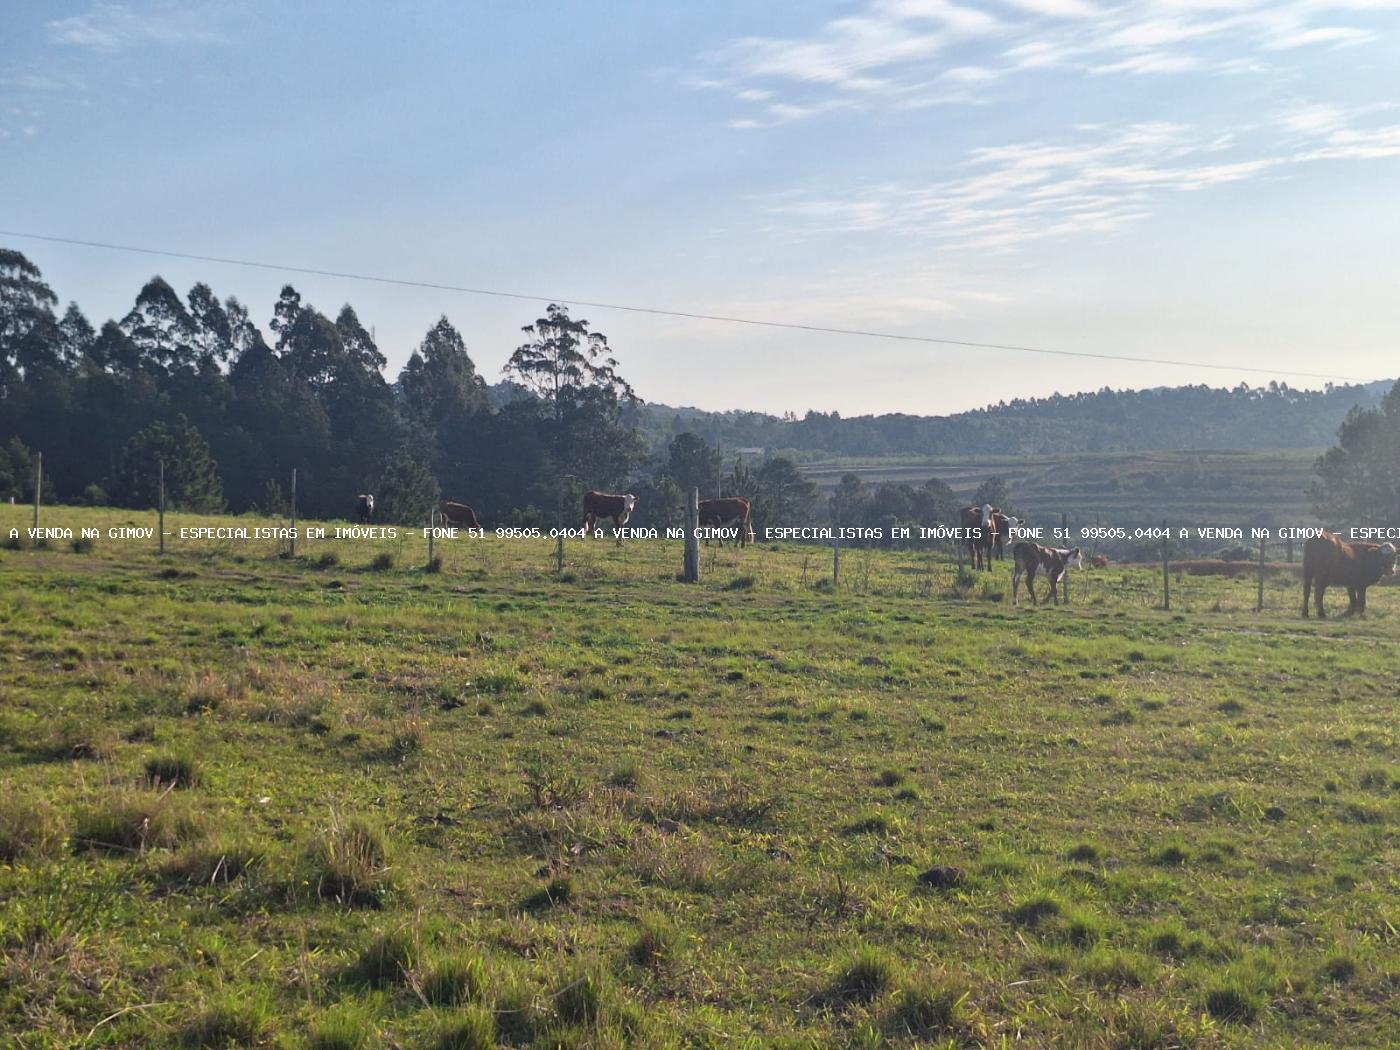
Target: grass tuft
{"points": [[472, 1029], [133, 821], [29, 829], [168, 769], [350, 863]]}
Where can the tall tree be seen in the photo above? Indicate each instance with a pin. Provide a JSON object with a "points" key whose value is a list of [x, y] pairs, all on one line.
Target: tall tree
{"points": [[76, 337], [27, 324], [191, 475], [570, 370], [1357, 480], [694, 464], [160, 328], [440, 382]]}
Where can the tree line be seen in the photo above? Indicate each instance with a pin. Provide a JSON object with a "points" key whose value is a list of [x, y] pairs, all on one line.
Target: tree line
{"points": [[195, 384]]}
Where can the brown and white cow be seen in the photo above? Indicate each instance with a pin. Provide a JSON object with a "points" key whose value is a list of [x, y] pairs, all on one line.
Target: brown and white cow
{"points": [[458, 514], [1327, 561], [600, 505], [1030, 558], [731, 510], [980, 523], [364, 507]]}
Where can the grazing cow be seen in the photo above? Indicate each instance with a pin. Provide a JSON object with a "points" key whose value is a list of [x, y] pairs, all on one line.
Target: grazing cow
{"points": [[980, 547], [600, 505], [1100, 562], [1030, 558], [717, 513], [1355, 566], [364, 507], [458, 514]]}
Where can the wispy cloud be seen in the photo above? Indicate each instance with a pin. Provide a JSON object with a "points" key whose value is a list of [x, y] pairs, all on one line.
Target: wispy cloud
{"points": [[109, 27], [1097, 180], [891, 50]]}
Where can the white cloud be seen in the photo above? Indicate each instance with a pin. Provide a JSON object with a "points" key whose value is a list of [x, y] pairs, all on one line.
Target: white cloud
{"points": [[889, 49], [110, 27]]}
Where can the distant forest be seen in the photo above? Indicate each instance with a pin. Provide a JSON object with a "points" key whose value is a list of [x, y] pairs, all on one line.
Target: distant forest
{"points": [[195, 386], [1185, 417]]}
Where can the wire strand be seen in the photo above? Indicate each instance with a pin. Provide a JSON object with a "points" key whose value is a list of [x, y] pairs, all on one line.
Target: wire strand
{"points": [[686, 314]]}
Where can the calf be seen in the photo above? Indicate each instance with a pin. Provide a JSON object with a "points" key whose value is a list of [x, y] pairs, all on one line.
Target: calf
{"points": [[600, 505], [458, 514], [717, 513], [1355, 566], [1030, 558], [364, 507]]}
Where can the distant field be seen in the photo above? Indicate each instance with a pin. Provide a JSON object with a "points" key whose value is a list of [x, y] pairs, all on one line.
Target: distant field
{"points": [[339, 801], [1127, 488]]}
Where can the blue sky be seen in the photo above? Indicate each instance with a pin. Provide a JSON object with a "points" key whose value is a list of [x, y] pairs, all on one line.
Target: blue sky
{"points": [[1175, 178]]}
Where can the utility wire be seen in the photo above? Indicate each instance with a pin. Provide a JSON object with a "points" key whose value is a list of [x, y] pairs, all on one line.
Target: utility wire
{"points": [[687, 314]]}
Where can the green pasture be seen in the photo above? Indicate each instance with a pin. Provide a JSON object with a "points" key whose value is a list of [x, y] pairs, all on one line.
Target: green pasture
{"points": [[348, 799]]}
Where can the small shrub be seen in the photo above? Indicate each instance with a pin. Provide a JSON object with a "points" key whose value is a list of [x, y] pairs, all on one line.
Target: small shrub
{"points": [[658, 945], [628, 776], [229, 1021], [583, 997], [455, 980], [473, 1029], [82, 545], [134, 821], [926, 1008], [409, 738], [326, 560], [80, 739], [387, 960], [382, 562], [1085, 853], [1339, 969], [214, 862], [1035, 911], [434, 564], [890, 778], [1171, 856], [28, 829], [1230, 1002], [347, 1026], [167, 769], [349, 864], [861, 976]]}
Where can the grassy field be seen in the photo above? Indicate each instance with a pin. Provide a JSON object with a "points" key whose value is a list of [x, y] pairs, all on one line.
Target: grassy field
{"points": [[341, 801]]}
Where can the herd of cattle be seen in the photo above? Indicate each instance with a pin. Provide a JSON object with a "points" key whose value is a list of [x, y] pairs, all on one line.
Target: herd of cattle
{"points": [[1327, 560]]}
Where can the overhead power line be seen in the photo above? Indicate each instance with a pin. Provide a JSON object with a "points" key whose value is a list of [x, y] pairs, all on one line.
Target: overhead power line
{"points": [[687, 314]]}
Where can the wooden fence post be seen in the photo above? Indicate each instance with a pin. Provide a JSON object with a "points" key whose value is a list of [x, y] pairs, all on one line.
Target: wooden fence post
{"points": [[431, 514], [1259, 604], [38, 485], [1166, 579], [691, 566], [836, 559], [1064, 524], [294, 512], [160, 506]]}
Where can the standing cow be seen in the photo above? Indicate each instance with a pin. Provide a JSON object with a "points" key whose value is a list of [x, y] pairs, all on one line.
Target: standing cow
{"points": [[364, 507], [983, 521], [1030, 558], [1355, 566], [733, 510], [600, 505], [458, 514]]}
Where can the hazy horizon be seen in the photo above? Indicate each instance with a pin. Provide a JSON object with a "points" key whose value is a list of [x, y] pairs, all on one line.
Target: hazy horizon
{"points": [[1188, 180]]}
